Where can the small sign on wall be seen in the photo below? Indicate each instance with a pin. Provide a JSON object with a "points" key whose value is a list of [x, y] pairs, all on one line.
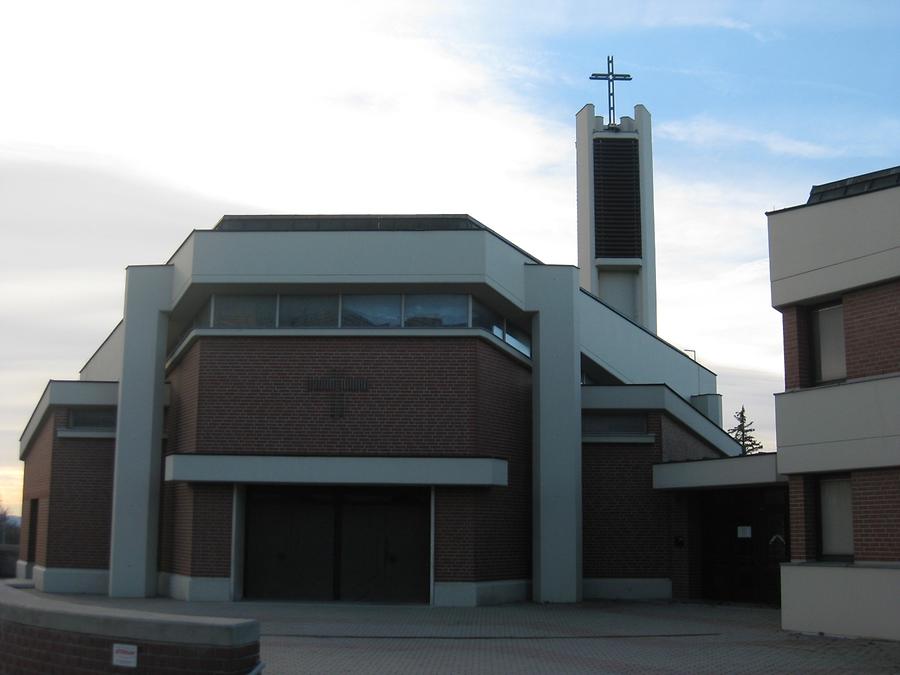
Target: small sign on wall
{"points": [[744, 532], [125, 655]]}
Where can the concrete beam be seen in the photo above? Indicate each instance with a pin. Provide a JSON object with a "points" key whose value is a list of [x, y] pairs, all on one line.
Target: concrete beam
{"points": [[472, 471], [759, 469]]}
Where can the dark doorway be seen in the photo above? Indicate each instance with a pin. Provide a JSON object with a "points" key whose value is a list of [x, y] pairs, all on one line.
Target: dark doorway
{"points": [[745, 540], [33, 515], [337, 543]]}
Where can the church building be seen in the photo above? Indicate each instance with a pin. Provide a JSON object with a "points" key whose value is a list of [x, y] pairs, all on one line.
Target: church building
{"points": [[401, 408]]}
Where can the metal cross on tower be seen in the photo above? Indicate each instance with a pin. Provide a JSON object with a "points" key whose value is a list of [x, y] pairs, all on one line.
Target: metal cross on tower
{"points": [[610, 76]]}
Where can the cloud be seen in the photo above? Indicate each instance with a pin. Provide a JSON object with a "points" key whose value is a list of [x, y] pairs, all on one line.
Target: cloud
{"points": [[404, 108], [703, 131]]}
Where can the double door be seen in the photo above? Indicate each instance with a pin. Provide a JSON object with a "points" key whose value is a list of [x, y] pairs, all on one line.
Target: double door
{"points": [[337, 543]]}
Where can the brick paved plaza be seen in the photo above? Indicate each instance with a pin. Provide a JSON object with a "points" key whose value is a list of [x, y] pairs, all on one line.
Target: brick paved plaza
{"points": [[596, 637]]}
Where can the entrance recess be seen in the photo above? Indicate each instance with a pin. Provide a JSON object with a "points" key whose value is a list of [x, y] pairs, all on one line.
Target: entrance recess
{"points": [[745, 540], [337, 543]]}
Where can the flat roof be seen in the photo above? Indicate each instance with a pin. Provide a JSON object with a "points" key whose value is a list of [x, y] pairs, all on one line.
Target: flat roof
{"points": [[853, 186], [378, 222], [353, 223]]}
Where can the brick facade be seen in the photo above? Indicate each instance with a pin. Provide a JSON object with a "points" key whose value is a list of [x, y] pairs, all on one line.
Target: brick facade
{"points": [[871, 335], [74, 526], [797, 347], [35, 650], [872, 330], [876, 515], [195, 529], [36, 485], [253, 395], [445, 397], [804, 508], [631, 530]]}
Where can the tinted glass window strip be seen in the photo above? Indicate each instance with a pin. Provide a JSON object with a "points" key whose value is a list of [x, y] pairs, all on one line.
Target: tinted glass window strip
{"points": [[342, 310]]}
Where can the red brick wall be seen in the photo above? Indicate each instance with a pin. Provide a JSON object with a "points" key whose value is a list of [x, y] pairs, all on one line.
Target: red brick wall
{"points": [[872, 330], [176, 527], [253, 397], [485, 533], [36, 485], [630, 529], [625, 521], [73, 527], [876, 515], [33, 650], [195, 529], [184, 393], [803, 497], [797, 356], [454, 396], [81, 512], [680, 444]]}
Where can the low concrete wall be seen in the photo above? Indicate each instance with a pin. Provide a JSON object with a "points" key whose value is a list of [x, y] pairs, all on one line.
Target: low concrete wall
{"points": [[848, 600], [40, 635]]}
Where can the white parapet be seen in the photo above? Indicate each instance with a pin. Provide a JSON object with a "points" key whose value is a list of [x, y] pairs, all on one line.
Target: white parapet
{"points": [[847, 426], [841, 599]]}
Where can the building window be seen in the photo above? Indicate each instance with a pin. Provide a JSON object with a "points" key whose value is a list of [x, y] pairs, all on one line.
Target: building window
{"points": [[836, 518], [92, 418], [487, 319], [518, 338], [308, 311], [596, 423], [339, 311], [244, 311], [436, 311], [33, 515], [828, 343], [370, 311]]}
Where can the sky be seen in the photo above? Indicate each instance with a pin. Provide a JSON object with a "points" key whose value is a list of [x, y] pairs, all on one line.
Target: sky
{"points": [[123, 126]]}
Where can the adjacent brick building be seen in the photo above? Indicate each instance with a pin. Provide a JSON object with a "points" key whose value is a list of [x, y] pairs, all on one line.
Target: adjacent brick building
{"points": [[835, 272]]}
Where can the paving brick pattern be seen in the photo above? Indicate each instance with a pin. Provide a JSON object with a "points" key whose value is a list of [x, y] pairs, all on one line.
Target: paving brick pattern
{"points": [[595, 637]]}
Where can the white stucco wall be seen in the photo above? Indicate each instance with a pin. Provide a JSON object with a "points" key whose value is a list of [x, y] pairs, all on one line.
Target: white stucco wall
{"points": [[106, 362], [840, 427], [352, 257], [636, 356], [847, 600], [827, 248]]}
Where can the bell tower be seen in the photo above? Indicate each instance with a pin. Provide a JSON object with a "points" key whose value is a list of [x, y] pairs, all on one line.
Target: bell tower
{"points": [[616, 239]]}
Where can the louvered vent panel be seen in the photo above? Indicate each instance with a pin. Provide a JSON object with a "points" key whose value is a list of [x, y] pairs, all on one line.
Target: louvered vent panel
{"points": [[617, 198]]}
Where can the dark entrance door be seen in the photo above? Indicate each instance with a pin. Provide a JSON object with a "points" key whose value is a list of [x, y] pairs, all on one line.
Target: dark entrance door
{"points": [[745, 540], [362, 544]]}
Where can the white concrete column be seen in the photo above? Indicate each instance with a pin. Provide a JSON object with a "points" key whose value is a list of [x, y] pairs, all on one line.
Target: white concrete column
{"points": [[585, 123], [647, 287], [551, 291], [136, 482]]}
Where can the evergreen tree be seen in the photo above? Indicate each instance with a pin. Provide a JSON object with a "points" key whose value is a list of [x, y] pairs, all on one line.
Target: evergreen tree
{"points": [[743, 433]]}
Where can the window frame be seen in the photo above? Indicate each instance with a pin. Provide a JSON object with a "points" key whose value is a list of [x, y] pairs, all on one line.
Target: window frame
{"points": [[815, 344], [820, 553]]}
